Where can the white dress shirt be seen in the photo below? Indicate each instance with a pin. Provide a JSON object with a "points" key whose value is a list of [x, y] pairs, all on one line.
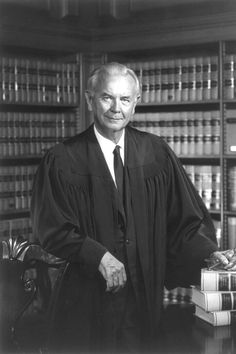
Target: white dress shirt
{"points": [[108, 147]]}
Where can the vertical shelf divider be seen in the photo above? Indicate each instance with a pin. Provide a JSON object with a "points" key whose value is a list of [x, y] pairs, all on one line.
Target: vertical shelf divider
{"points": [[223, 188]]}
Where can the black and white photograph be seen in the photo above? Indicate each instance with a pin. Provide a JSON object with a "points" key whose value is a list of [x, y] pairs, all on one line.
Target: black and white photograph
{"points": [[117, 176]]}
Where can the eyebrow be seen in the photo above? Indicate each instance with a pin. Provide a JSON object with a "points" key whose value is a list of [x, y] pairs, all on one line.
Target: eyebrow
{"points": [[110, 95]]}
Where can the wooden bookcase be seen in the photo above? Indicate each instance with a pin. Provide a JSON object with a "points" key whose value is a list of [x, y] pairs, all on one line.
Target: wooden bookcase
{"points": [[40, 106], [208, 92], [221, 102]]}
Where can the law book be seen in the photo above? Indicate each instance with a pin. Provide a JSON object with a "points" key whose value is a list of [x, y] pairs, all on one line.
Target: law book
{"points": [[229, 76], [164, 81], [214, 78], [216, 318], [214, 300], [206, 78], [218, 280]]}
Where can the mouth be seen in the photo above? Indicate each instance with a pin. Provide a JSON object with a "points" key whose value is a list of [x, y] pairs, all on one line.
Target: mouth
{"points": [[114, 118]]}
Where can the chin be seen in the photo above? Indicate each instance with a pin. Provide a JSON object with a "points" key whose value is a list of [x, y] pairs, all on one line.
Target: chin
{"points": [[116, 125]]}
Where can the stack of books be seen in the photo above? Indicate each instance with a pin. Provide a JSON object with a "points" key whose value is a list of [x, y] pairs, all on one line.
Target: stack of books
{"points": [[215, 298]]}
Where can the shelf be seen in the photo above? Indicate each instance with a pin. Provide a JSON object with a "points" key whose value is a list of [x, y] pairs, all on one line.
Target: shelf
{"points": [[230, 213], [24, 160], [37, 106], [202, 157], [231, 120], [230, 157], [174, 103], [14, 214], [214, 212], [232, 101]]}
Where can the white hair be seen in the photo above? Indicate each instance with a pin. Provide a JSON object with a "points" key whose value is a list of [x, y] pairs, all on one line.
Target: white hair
{"points": [[112, 68]]}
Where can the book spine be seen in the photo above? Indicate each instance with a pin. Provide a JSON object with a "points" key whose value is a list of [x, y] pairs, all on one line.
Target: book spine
{"points": [[218, 281], [224, 318], [192, 79], [157, 72], [221, 301], [229, 76], [145, 83], [152, 82]]}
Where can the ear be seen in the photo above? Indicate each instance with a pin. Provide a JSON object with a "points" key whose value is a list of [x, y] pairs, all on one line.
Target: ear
{"points": [[89, 100], [137, 100]]}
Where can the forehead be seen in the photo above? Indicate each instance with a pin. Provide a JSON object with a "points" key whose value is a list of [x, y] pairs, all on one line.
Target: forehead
{"points": [[116, 84]]}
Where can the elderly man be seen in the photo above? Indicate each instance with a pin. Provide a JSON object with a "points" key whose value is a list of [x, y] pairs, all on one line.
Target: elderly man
{"points": [[117, 204]]}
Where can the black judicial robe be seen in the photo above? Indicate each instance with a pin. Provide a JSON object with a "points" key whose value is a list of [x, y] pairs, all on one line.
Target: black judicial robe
{"points": [[74, 215]]}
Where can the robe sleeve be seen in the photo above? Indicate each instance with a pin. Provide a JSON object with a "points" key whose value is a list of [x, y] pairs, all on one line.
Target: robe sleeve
{"points": [[190, 231], [58, 212]]}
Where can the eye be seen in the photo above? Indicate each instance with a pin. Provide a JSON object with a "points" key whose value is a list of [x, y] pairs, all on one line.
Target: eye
{"points": [[106, 98], [125, 99]]}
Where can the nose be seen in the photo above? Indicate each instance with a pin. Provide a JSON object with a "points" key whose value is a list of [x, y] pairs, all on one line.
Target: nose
{"points": [[115, 107]]}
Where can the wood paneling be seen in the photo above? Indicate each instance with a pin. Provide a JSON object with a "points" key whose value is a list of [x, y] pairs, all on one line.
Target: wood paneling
{"points": [[103, 25]]}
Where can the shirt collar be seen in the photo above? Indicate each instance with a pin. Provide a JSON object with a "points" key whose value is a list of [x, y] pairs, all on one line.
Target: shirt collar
{"points": [[107, 143]]}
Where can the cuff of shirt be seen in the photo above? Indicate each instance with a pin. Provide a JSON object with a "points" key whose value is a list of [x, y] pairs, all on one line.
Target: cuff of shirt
{"points": [[91, 252]]}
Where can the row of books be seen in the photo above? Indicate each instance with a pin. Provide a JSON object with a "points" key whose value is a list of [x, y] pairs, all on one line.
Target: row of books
{"points": [[207, 181], [187, 133], [232, 188], [16, 227], [38, 81], [180, 79], [16, 187], [24, 133], [215, 297]]}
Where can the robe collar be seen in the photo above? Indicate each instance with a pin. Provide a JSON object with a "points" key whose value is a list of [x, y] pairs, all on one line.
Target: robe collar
{"points": [[136, 154]]}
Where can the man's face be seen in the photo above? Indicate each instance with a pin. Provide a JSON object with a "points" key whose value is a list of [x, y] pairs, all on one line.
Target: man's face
{"points": [[113, 104]]}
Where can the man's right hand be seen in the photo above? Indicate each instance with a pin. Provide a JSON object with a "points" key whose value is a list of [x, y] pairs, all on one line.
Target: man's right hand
{"points": [[113, 272]]}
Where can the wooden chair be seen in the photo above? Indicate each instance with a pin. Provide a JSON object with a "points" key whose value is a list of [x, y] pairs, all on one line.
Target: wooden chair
{"points": [[30, 281]]}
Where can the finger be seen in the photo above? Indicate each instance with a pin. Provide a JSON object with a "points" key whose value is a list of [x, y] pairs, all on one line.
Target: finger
{"points": [[232, 264], [109, 282], [116, 289], [121, 279], [124, 276], [231, 267], [113, 281], [220, 257], [228, 254], [116, 280]]}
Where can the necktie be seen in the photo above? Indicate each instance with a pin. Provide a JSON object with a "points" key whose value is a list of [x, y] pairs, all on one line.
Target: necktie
{"points": [[119, 170]]}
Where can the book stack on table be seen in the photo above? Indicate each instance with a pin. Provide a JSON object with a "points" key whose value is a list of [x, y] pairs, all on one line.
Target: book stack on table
{"points": [[215, 298]]}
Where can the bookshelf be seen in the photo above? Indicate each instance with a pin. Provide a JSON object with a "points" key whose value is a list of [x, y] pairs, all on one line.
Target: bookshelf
{"points": [[189, 98], [39, 107]]}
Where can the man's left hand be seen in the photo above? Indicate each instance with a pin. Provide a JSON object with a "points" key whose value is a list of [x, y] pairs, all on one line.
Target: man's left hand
{"points": [[223, 260]]}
